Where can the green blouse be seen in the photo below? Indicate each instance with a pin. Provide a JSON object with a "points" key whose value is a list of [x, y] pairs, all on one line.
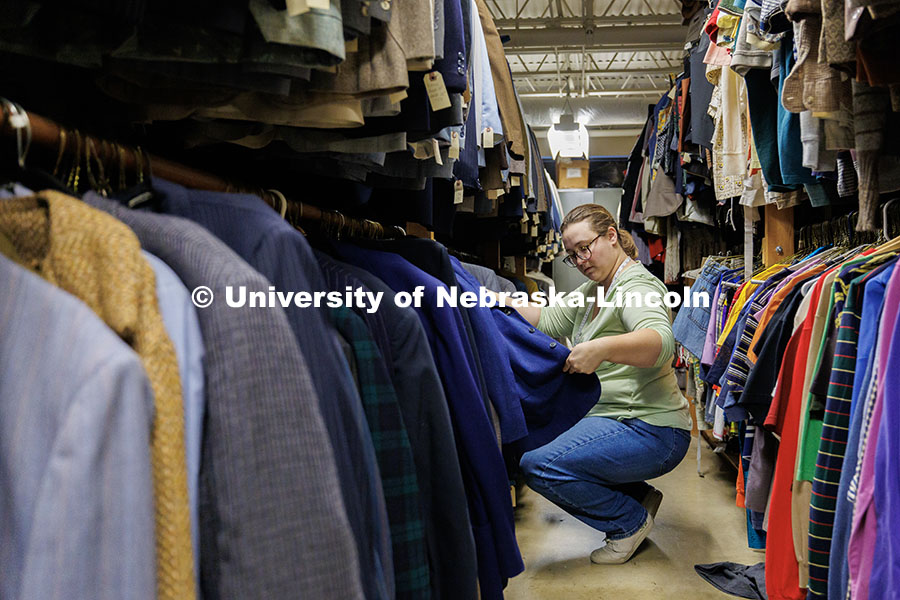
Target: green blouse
{"points": [[650, 394]]}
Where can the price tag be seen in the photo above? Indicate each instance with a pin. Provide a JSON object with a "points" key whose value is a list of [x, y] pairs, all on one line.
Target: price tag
{"points": [[437, 91], [525, 227], [454, 145], [515, 181], [398, 97], [436, 148], [534, 231], [487, 138], [351, 46], [420, 151], [524, 206], [319, 4], [457, 192], [297, 7]]}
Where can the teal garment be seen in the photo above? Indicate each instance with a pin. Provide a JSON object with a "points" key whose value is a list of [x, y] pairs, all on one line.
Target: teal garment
{"points": [[650, 394], [396, 465]]}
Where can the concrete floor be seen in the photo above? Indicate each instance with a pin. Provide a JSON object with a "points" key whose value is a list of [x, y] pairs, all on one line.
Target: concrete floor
{"points": [[697, 522]]}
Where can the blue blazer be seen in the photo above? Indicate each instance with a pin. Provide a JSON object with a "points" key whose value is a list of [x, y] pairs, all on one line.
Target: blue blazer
{"points": [[551, 400], [492, 351], [535, 399]]}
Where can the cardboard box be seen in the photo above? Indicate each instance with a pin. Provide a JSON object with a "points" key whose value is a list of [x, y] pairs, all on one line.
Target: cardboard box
{"points": [[572, 173]]}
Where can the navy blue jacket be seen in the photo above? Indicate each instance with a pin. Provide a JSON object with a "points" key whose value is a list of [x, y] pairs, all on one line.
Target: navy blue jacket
{"points": [[551, 400], [492, 352], [535, 399], [484, 471]]}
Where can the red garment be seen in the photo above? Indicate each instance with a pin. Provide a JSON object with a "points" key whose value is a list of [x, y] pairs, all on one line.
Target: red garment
{"points": [[712, 25], [657, 248], [782, 569]]}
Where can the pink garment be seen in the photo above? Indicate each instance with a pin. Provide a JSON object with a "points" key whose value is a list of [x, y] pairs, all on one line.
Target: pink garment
{"points": [[864, 531], [709, 345], [717, 56]]}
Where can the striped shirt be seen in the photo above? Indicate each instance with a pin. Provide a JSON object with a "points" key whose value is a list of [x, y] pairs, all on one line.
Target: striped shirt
{"points": [[836, 421], [739, 366]]}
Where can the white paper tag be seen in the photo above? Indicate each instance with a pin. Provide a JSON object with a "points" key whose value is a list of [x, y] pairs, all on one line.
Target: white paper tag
{"points": [[351, 46], [515, 181], [319, 4], [436, 148], [454, 145], [457, 192], [297, 7], [525, 227], [534, 231], [437, 91], [487, 138]]}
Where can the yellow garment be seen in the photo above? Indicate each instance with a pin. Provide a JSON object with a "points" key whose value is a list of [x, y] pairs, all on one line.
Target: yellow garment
{"points": [[741, 299], [97, 259]]}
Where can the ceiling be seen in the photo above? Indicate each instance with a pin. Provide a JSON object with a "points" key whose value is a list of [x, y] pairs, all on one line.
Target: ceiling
{"points": [[613, 56]]}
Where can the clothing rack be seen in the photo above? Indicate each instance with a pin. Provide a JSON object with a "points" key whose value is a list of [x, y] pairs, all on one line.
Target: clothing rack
{"points": [[48, 134]]}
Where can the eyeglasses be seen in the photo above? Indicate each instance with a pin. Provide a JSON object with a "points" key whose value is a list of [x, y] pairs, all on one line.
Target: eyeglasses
{"points": [[582, 252]]}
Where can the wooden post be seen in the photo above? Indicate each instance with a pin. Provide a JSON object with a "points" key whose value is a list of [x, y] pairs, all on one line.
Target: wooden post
{"points": [[779, 241], [520, 266]]}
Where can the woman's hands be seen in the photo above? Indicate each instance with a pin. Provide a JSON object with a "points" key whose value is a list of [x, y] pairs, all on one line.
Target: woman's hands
{"points": [[641, 348], [586, 357]]}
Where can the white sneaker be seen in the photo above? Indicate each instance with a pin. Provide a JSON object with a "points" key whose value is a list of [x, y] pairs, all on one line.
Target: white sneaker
{"points": [[616, 552]]}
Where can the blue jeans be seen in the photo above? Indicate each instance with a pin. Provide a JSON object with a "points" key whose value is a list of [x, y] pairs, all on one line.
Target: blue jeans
{"points": [[689, 327], [596, 471]]}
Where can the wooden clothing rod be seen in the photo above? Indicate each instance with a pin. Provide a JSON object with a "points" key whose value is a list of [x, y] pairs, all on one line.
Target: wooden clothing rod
{"points": [[49, 134]]}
